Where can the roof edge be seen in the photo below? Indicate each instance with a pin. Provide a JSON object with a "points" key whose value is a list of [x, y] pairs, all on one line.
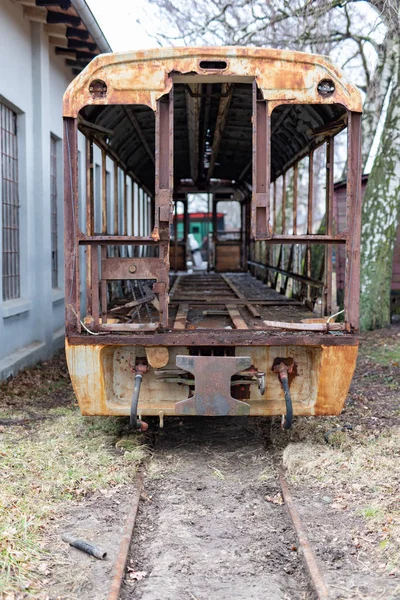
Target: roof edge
{"points": [[91, 23]]}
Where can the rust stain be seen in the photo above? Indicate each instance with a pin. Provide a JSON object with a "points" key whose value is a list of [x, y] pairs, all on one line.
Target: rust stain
{"points": [[337, 369], [143, 77], [102, 379]]}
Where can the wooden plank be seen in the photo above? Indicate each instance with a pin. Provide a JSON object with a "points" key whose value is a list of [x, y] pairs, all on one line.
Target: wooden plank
{"points": [[236, 317], [175, 286], [239, 294], [227, 257], [307, 326], [181, 317], [129, 326]]}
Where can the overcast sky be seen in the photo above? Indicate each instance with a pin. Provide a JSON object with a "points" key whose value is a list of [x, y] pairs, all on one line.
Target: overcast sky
{"points": [[119, 21]]}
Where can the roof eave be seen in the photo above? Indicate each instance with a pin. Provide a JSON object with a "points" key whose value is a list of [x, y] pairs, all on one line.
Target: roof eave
{"points": [[89, 20]]}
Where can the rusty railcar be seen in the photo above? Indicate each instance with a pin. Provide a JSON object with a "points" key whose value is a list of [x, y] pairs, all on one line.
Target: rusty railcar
{"points": [[250, 328]]}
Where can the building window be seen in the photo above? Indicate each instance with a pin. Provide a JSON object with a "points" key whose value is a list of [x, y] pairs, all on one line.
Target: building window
{"points": [[54, 212], [10, 203]]}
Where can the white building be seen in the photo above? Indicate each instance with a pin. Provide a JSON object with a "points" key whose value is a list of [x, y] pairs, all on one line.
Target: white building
{"points": [[43, 44]]}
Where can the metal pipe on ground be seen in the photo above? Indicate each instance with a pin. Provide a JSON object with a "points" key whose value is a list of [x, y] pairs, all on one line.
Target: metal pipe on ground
{"points": [[84, 546]]}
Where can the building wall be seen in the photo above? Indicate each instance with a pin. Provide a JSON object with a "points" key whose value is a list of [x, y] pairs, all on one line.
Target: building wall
{"points": [[32, 83]]}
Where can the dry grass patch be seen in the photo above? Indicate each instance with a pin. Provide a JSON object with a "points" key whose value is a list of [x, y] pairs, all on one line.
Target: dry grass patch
{"points": [[364, 472], [44, 468]]}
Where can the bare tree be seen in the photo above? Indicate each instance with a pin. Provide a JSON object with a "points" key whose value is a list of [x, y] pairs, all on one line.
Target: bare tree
{"points": [[362, 37]]}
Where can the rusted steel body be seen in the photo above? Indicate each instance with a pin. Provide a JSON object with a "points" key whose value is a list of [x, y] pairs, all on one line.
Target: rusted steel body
{"points": [[103, 382], [215, 121]]}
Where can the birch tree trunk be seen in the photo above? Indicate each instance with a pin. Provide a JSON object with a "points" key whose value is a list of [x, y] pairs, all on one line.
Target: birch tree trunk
{"points": [[375, 95], [380, 215]]}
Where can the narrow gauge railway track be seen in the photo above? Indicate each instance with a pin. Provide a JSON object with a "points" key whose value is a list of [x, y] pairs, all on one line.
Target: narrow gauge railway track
{"points": [[217, 521]]}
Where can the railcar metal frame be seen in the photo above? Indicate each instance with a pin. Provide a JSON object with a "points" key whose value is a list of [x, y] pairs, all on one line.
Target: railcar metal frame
{"points": [[147, 78]]}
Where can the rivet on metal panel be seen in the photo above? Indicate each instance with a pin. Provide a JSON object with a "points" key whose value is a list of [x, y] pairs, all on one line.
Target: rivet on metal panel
{"points": [[132, 269]]}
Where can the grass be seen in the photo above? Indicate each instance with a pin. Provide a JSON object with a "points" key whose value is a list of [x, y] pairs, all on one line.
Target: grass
{"points": [[65, 458], [360, 468], [363, 471], [385, 354]]}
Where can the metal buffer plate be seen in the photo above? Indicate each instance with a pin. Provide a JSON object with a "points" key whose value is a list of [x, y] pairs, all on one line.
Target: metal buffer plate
{"points": [[212, 393]]}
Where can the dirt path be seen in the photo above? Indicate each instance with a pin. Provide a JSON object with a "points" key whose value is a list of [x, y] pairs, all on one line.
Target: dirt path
{"points": [[212, 524]]}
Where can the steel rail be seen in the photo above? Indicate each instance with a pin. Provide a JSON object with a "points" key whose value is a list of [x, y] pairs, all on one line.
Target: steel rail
{"points": [[314, 573], [122, 557]]}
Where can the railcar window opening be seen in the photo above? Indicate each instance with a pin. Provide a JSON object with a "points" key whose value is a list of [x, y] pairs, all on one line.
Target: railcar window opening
{"points": [[301, 203], [116, 204]]}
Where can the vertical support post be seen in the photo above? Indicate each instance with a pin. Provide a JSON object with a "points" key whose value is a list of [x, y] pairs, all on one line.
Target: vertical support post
{"points": [[284, 203], [103, 254], [89, 224], [295, 196], [125, 228], [71, 249], [329, 224], [208, 229], [274, 207], [164, 166], [282, 262], [116, 199], [144, 207], [103, 192], [186, 227], [133, 205], [352, 277], [164, 188], [176, 235], [139, 211], [260, 208], [243, 236], [133, 213], [295, 248], [310, 215]]}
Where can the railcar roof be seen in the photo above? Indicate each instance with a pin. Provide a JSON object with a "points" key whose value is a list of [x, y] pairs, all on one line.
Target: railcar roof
{"points": [[287, 79]]}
